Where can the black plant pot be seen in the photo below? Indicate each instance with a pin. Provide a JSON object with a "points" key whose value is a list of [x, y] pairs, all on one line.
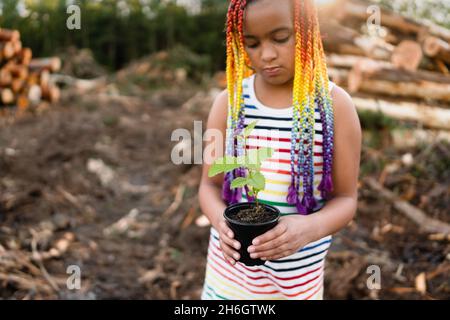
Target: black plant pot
{"points": [[245, 232]]}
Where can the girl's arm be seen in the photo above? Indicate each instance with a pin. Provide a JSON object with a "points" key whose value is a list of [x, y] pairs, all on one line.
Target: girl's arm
{"points": [[210, 189], [340, 210], [294, 232], [210, 198]]}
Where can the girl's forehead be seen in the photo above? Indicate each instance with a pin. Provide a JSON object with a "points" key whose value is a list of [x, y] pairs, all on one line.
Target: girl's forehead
{"points": [[264, 16]]}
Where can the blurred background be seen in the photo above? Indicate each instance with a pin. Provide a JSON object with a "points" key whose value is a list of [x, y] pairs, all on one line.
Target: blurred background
{"points": [[91, 91]]}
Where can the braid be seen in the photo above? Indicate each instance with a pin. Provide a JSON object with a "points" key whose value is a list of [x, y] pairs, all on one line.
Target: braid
{"points": [[310, 89]]}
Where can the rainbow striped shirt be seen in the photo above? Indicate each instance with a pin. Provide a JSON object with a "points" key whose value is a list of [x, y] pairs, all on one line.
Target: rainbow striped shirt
{"points": [[299, 276]]}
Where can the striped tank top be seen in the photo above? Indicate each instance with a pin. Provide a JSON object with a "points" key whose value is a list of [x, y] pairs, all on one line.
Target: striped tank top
{"points": [[300, 275]]}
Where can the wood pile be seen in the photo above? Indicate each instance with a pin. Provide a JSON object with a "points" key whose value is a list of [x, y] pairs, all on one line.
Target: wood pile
{"points": [[24, 81], [400, 67]]}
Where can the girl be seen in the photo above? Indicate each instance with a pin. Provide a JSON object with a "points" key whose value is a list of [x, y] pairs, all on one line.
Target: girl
{"points": [[276, 74]]}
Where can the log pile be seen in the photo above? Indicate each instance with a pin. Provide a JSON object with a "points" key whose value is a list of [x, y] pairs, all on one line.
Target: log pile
{"points": [[398, 63], [24, 81]]}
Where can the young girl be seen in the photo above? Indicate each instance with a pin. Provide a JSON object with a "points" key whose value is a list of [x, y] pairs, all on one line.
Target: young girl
{"points": [[277, 75]]}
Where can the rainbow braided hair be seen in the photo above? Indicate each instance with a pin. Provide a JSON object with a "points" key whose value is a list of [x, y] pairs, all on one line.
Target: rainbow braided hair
{"points": [[310, 89]]}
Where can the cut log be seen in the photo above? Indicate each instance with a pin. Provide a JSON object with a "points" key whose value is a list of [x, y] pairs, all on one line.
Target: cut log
{"points": [[407, 138], [430, 64], [373, 77], [17, 85], [5, 77], [375, 48], [22, 102], [437, 48], [7, 49], [81, 85], [349, 61], [423, 90], [44, 79], [51, 93], [368, 68], [34, 94], [334, 31], [24, 56], [338, 76], [347, 10], [437, 31], [340, 39], [428, 116], [17, 46], [356, 9], [50, 64], [6, 96], [348, 49], [442, 67], [33, 78], [18, 71], [407, 55], [342, 61], [9, 35]]}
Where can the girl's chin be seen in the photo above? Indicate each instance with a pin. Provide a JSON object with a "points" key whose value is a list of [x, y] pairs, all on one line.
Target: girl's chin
{"points": [[278, 80]]}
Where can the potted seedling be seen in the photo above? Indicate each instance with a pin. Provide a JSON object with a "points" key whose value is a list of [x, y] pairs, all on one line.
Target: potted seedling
{"points": [[247, 219]]}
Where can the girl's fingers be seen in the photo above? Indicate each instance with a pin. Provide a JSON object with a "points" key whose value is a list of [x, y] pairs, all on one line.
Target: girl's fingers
{"points": [[225, 236], [272, 252], [226, 230], [274, 243], [229, 254], [278, 256], [271, 234]]}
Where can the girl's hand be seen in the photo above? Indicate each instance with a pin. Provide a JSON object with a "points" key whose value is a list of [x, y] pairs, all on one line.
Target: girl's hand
{"points": [[287, 237], [227, 243]]}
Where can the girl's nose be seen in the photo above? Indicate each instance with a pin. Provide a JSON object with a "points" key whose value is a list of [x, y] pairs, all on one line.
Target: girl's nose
{"points": [[268, 53]]}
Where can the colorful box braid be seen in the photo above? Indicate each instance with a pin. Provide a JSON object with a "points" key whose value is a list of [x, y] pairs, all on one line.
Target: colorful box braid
{"points": [[310, 88]]}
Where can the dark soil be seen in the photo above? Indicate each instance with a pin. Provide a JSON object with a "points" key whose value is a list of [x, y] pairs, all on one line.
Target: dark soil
{"points": [[256, 214]]}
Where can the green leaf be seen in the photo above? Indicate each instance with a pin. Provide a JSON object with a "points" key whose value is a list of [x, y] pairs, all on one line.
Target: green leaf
{"points": [[225, 164], [265, 153], [256, 156], [250, 128], [239, 182], [258, 181]]}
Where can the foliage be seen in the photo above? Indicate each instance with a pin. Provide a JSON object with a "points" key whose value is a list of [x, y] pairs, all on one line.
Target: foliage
{"points": [[251, 161], [118, 32]]}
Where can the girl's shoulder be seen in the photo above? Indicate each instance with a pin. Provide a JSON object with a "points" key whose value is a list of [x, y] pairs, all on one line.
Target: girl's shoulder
{"points": [[346, 118], [342, 101], [219, 111]]}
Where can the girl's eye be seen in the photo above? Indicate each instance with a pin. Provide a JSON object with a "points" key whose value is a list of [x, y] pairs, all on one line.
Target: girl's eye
{"points": [[252, 45], [282, 40]]}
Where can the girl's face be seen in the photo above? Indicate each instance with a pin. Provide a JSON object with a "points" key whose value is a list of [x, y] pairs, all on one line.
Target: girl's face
{"points": [[269, 39]]}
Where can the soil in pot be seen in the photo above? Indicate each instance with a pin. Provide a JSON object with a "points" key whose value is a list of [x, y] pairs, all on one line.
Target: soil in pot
{"points": [[248, 222]]}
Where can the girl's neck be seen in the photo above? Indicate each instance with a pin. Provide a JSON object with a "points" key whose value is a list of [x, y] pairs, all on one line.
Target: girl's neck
{"points": [[274, 96]]}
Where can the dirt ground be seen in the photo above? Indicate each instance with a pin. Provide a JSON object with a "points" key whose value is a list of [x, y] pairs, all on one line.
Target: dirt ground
{"points": [[90, 183]]}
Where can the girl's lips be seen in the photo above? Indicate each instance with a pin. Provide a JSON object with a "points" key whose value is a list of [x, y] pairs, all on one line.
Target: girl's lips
{"points": [[272, 71]]}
